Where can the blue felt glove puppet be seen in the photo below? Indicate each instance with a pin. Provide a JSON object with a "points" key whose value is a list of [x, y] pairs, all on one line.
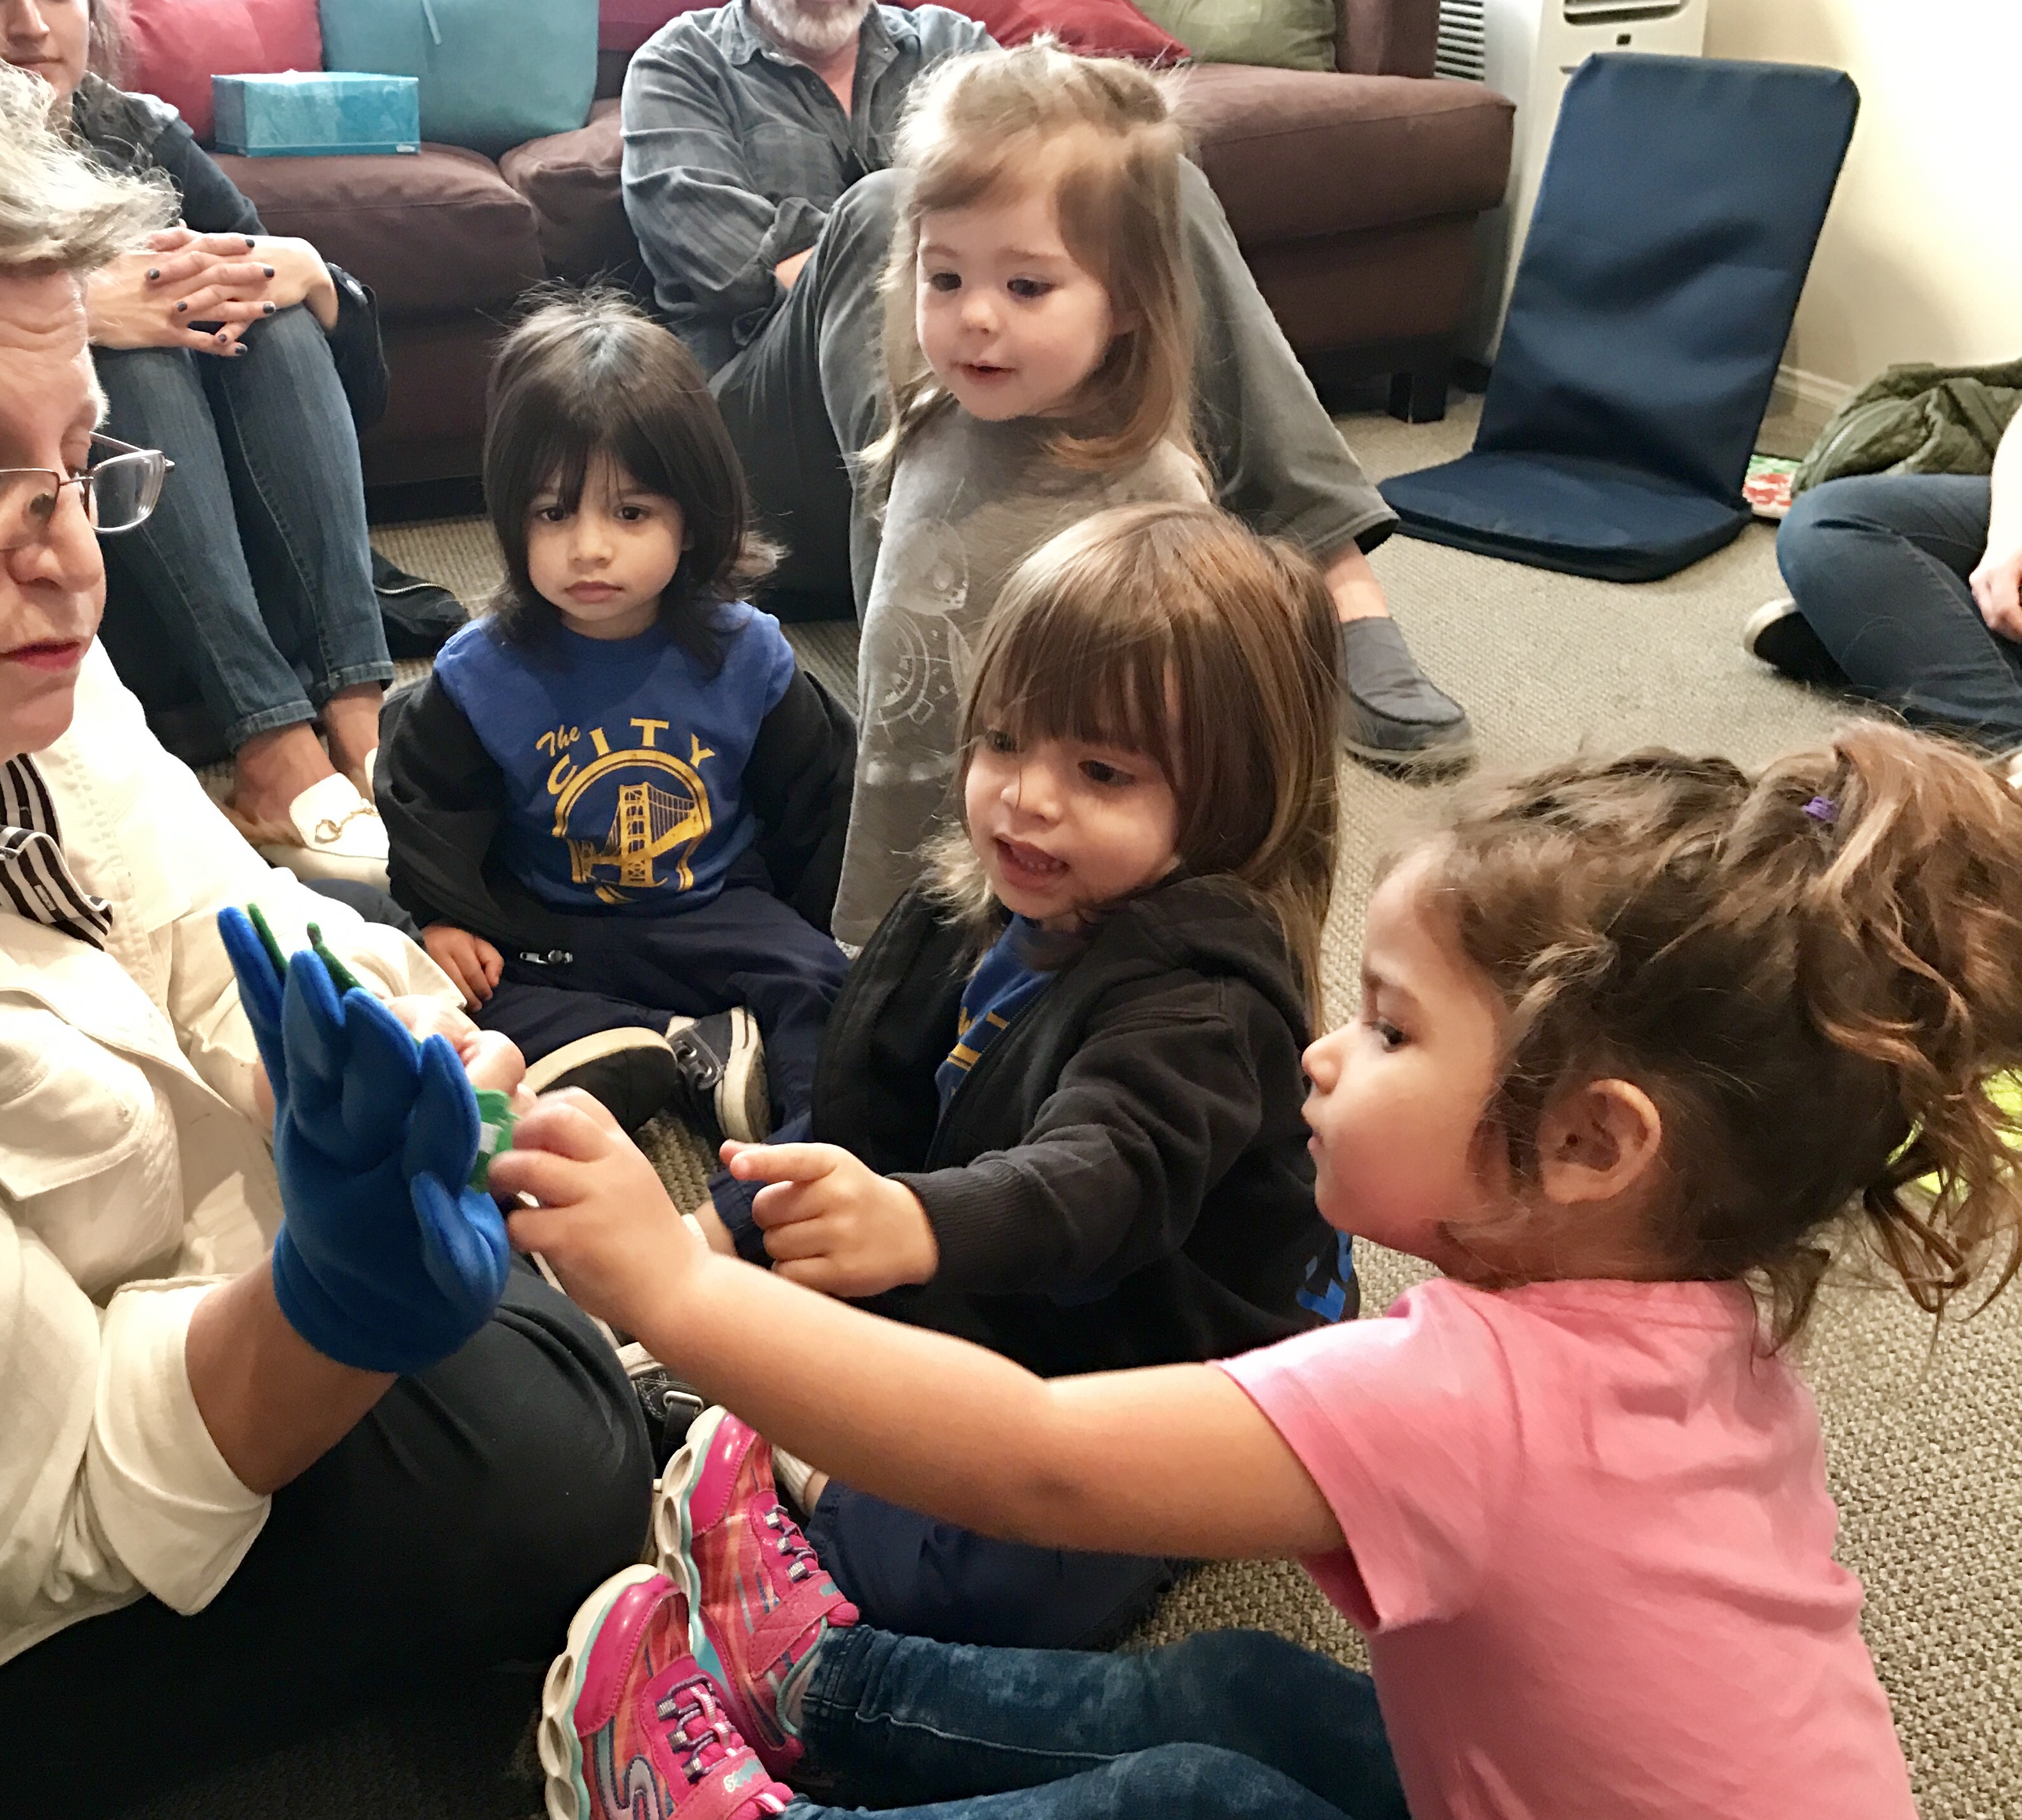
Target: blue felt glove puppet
{"points": [[386, 1259]]}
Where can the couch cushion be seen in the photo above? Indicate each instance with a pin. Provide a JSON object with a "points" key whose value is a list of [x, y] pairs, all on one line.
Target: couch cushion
{"points": [[439, 231], [174, 47], [571, 182], [626, 24], [1283, 34], [1294, 154]]}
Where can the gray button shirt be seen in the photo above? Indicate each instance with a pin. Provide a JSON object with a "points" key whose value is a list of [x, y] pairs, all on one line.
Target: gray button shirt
{"points": [[735, 154]]}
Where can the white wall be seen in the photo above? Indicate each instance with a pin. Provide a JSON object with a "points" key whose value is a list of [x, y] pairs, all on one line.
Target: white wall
{"points": [[1921, 255]]}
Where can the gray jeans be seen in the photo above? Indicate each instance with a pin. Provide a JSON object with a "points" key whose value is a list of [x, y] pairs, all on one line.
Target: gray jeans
{"points": [[810, 388]]}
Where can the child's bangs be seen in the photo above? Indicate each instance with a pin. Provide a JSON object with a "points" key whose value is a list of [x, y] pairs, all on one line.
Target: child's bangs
{"points": [[1100, 684], [964, 170], [569, 444]]}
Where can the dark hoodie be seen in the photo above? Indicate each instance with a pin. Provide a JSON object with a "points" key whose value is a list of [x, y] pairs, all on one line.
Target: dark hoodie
{"points": [[1122, 1178]]}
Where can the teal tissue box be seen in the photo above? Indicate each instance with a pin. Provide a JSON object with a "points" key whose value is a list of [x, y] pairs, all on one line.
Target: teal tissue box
{"points": [[307, 113]]}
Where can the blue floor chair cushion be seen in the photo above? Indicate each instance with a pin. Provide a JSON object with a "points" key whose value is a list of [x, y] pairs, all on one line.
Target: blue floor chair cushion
{"points": [[1673, 227]]}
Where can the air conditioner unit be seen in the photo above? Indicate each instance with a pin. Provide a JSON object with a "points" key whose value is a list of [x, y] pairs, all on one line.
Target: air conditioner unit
{"points": [[1527, 50]]}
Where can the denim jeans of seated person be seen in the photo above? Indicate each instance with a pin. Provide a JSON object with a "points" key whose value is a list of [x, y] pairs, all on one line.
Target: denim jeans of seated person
{"points": [[1878, 564], [252, 578], [1225, 1724]]}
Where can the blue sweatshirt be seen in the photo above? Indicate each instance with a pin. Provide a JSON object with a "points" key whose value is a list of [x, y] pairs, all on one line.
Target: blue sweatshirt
{"points": [[623, 759]]}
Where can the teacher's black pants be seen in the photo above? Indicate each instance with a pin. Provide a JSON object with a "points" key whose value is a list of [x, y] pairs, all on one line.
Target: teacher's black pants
{"points": [[451, 1534]]}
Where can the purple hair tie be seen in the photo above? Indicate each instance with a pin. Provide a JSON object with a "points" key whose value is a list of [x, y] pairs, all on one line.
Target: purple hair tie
{"points": [[1823, 809]]}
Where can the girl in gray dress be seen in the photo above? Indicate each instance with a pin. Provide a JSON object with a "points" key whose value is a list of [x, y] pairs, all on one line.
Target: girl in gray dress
{"points": [[1040, 345]]}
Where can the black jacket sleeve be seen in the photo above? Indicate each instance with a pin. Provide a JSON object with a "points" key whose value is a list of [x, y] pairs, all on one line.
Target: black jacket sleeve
{"points": [[214, 204], [798, 780], [1153, 1109], [442, 796]]}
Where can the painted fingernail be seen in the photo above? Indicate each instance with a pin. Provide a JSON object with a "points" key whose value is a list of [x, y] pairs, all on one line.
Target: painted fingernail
{"points": [[268, 270], [268, 307], [248, 243], [154, 271], [180, 307]]}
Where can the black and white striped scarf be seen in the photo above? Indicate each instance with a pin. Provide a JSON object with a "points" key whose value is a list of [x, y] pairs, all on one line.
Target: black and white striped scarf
{"points": [[33, 876]]}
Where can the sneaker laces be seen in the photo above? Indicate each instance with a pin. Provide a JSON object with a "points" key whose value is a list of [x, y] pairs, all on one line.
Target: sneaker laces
{"points": [[794, 1547], [697, 1726]]}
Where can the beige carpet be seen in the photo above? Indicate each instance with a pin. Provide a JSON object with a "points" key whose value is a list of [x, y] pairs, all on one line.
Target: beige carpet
{"points": [[1926, 1444]]}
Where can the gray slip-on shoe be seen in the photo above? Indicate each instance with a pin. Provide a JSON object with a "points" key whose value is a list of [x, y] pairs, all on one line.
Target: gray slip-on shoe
{"points": [[1391, 713]]}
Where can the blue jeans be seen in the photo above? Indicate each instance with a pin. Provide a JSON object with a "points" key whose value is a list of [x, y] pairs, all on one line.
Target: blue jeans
{"points": [[1877, 565], [1227, 1723], [254, 577], [909, 1573]]}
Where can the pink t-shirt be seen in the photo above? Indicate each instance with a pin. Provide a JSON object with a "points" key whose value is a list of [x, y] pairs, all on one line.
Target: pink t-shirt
{"points": [[1591, 1543]]}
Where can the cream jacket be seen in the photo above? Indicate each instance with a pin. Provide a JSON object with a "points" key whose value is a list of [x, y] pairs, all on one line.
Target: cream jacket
{"points": [[133, 1166]]}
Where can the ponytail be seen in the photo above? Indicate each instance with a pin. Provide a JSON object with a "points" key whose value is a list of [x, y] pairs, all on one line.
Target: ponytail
{"points": [[1910, 959], [1816, 973]]}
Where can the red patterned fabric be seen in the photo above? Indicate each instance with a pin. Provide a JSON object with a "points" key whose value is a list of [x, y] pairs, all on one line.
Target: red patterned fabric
{"points": [[174, 47]]}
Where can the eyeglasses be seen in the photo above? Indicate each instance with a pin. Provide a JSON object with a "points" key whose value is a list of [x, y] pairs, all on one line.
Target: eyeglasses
{"points": [[117, 490]]}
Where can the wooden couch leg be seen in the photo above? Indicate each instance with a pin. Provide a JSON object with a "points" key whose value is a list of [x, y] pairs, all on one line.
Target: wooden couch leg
{"points": [[1419, 396]]}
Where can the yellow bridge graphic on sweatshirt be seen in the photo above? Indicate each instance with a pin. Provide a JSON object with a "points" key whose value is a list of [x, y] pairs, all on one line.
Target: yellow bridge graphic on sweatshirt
{"points": [[652, 823]]}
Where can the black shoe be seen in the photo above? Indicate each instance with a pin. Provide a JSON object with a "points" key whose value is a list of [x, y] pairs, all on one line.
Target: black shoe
{"points": [[419, 617], [631, 1072], [669, 1405], [1391, 714], [721, 1065], [1782, 637]]}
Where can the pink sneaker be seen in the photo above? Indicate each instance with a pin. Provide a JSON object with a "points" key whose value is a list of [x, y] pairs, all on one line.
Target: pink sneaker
{"points": [[759, 1601], [631, 1726]]}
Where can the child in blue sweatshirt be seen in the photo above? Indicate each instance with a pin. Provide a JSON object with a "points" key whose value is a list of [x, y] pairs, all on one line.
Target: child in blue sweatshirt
{"points": [[616, 808]]}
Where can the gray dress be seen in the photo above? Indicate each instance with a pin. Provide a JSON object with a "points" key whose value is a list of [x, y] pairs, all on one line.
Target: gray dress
{"points": [[969, 500]]}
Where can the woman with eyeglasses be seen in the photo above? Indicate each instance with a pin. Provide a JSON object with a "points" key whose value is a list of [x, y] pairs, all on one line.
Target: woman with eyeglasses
{"points": [[278, 1445], [251, 363]]}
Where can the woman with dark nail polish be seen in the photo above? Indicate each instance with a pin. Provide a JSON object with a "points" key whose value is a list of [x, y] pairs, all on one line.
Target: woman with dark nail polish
{"points": [[243, 612]]}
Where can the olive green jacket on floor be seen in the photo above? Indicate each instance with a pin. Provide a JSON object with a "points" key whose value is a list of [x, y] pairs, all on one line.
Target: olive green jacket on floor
{"points": [[1916, 419]]}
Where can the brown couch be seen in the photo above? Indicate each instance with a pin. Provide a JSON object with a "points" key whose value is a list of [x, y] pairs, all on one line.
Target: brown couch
{"points": [[1353, 195]]}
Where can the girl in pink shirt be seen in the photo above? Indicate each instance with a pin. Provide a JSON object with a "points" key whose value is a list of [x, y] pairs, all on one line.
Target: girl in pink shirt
{"points": [[1641, 1043]]}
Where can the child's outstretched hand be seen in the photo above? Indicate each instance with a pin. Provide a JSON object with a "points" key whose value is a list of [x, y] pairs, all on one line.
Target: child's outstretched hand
{"points": [[832, 1222], [604, 1224]]}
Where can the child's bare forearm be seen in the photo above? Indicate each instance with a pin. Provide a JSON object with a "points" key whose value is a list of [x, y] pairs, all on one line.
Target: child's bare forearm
{"points": [[1110, 1462], [851, 1391]]}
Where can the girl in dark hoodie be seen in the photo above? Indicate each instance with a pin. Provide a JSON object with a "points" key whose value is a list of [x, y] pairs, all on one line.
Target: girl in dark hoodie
{"points": [[1056, 1107]]}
